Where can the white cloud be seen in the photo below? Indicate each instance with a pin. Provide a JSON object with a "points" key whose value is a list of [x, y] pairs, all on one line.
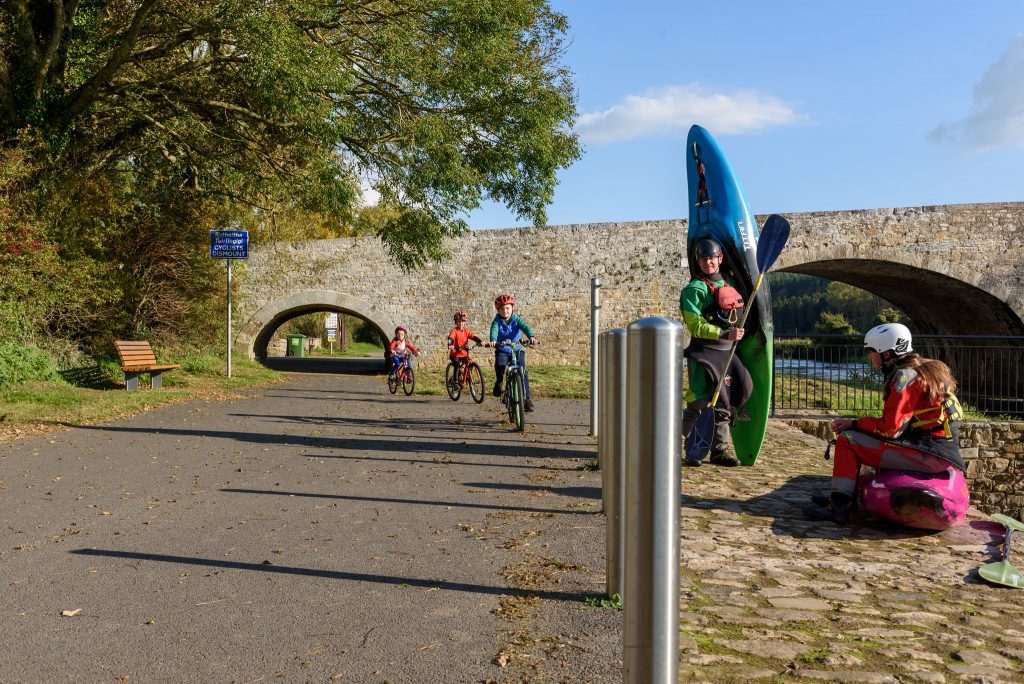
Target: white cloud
{"points": [[996, 118], [674, 109], [369, 196]]}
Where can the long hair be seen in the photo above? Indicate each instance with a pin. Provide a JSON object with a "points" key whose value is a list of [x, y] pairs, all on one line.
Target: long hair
{"points": [[935, 377]]}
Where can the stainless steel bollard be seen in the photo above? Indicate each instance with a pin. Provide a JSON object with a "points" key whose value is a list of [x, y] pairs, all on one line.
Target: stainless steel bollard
{"points": [[611, 442], [654, 395], [595, 374]]}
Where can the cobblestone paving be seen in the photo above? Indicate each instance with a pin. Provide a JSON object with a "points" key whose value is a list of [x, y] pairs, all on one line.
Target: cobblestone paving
{"points": [[769, 596]]}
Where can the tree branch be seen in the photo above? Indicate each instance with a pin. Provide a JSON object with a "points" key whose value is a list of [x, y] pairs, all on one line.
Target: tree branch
{"points": [[89, 91], [56, 35]]}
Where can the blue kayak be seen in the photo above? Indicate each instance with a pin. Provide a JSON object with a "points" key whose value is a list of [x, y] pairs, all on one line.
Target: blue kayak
{"points": [[719, 209]]}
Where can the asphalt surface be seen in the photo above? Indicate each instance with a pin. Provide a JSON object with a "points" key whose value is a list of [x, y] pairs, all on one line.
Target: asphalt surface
{"points": [[318, 529]]}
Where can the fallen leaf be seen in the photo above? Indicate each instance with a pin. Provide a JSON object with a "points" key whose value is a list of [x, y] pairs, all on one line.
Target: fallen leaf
{"points": [[70, 613]]}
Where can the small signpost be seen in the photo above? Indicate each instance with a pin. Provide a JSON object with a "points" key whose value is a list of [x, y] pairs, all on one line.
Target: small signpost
{"points": [[229, 245], [331, 325]]}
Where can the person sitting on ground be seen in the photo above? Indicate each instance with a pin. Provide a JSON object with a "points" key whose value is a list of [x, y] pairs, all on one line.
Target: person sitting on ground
{"points": [[918, 430], [459, 337], [399, 348], [508, 328], [711, 307]]}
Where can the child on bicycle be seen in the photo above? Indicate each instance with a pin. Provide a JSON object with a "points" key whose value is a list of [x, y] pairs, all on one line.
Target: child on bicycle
{"points": [[459, 338], [508, 328], [399, 348]]}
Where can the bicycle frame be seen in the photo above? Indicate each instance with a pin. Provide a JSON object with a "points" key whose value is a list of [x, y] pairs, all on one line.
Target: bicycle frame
{"points": [[512, 397]]}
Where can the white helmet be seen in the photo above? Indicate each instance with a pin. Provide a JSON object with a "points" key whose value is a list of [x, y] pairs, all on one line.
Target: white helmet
{"points": [[894, 337]]}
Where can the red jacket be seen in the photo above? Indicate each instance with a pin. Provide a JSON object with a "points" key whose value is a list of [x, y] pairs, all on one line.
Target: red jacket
{"points": [[905, 405], [460, 338]]}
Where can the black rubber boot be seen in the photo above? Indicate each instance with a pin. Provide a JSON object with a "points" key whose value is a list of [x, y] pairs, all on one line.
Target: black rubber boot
{"points": [[837, 510], [825, 500], [497, 389], [724, 460]]}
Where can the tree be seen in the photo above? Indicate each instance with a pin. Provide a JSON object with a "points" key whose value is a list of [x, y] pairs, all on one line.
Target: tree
{"points": [[887, 315], [129, 128], [833, 324], [281, 105]]}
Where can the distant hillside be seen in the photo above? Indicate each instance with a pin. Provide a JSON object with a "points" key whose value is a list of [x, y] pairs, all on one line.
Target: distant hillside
{"points": [[804, 305]]}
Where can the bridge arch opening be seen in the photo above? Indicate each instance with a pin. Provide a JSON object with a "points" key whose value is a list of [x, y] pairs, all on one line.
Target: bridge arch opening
{"points": [[257, 332], [958, 308], [937, 303]]}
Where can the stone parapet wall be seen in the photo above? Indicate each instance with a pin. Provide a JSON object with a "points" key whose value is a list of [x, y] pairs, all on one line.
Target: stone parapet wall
{"points": [[993, 452], [950, 252]]}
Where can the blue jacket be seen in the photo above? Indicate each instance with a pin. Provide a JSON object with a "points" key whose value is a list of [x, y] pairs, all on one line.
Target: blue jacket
{"points": [[511, 330]]}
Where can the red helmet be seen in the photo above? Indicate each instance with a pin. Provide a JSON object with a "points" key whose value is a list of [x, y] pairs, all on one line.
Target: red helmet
{"points": [[504, 299], [402, 328], [460, 316]]}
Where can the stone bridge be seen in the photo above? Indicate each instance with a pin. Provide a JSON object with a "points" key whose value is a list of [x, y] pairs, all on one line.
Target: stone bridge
{"points": [[955, 269]]}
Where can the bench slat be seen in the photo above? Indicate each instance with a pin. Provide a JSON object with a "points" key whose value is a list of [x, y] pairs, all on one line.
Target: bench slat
{"points": [[137, 357]]}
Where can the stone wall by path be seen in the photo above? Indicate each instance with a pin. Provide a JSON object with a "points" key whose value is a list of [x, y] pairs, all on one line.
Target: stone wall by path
{"points": [[994, 453]]}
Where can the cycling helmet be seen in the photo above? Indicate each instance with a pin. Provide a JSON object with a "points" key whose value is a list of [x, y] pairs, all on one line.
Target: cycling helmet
{"points": [[460, 316], [504, 299], [894, 337], [707, 248], [402, 328]]}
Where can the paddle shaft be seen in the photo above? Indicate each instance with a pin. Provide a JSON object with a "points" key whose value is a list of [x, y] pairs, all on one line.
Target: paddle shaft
{"points": [[732, 349], [1006, 543]]}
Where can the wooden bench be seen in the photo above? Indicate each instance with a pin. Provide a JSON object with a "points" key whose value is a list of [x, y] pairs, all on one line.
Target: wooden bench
{"points": [[137, 357]]}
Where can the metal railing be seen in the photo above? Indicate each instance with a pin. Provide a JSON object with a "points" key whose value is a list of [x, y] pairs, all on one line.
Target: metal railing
{"points": [[831, 372]]}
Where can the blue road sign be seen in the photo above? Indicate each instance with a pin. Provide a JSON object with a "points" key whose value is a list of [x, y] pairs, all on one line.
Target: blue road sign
{"points": [[229, 244]]}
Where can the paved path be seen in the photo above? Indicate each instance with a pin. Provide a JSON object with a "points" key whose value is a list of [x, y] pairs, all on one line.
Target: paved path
{"points": [[324, 530]]}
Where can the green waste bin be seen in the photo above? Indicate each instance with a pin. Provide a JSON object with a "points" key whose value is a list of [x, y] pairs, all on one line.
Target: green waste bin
{"points": [[296, 345]]}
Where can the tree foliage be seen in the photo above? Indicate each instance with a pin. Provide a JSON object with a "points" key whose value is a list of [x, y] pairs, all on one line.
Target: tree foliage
{"points": [[830, 323], [799, 302], [288, 105], [129, 128]]}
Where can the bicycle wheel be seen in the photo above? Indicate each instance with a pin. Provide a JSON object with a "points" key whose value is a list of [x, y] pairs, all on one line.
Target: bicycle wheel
{"points": [[475, 379], [408, 381], [451, 381], [393, 380], [516, 409]]}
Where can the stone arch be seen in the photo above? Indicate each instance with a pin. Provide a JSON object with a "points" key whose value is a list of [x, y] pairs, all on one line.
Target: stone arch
{"points": [[939, 296], [255, 334]]}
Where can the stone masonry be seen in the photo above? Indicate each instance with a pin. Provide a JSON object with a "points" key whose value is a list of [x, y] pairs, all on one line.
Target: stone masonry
{"points": [[952, 269]]}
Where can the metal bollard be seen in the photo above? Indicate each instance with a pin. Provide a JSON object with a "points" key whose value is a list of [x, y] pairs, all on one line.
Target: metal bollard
{"points": [[611, 451], [595, 371], [654, 394]]}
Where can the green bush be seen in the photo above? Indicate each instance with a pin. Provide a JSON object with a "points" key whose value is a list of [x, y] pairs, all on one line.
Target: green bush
{"points": [[200, 362], [20, 363]]}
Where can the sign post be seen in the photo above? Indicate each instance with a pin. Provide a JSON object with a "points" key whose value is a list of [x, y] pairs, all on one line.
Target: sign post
{"points": [[229, 245], [331, 325]]}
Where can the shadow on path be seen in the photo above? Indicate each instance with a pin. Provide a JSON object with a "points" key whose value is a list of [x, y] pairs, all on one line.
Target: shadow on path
{"points": [[441, 461], [333, 574], [413, 502], [580, 492], [361, 444]]}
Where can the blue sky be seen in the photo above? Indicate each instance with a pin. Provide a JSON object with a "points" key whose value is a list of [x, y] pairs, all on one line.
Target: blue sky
{"points": [[819, 104]]}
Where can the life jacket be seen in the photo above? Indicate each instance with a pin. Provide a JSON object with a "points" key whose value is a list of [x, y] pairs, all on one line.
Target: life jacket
{"points": [[931, 419], [726, 305]]}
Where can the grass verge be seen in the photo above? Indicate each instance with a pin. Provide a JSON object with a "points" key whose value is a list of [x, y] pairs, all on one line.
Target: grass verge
{"points": [[39, 406]]}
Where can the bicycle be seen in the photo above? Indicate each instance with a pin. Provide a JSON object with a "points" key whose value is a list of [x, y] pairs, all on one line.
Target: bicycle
{"points": [[462, 372], [403, 376], [514, 393]]}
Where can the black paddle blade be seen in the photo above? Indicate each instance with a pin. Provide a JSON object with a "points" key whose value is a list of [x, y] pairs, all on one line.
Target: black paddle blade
{"points": [[698, 444], [773, 238]]}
